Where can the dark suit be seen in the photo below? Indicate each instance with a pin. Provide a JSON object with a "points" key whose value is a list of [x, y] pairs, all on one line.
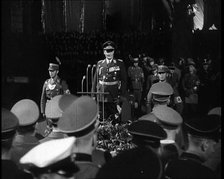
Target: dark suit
{"points": [[10, 171]]}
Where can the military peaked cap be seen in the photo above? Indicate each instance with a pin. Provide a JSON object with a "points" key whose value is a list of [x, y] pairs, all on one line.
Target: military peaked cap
{"points": [[108, 45], [80, 117], [27, 112], [163, 69], [147, 130], [53, 66], [9, 124], [167, 117], [207, 126], [216, 111], [53, 156]]}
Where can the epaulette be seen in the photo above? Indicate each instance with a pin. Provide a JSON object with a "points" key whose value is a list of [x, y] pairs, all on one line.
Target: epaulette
{"points": [[101, 61]]}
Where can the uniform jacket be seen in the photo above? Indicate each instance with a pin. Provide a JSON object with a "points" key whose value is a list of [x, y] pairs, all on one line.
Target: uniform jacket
{"points": [[51, 89], [87, 169], [188, 165], [10, 171], [110, 78], [136, 76], [100, 157]]}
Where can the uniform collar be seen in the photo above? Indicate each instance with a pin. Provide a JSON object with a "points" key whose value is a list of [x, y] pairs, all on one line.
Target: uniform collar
{"points": [[191, 156], [83, 157]]}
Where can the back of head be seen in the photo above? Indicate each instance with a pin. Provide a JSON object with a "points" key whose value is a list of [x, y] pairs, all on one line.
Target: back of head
{"points": [[133, 163]]}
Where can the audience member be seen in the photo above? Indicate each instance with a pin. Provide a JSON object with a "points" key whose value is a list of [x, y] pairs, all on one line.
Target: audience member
{"points": [[80, 119], [9, 124], [202, 136], [27, 112]]}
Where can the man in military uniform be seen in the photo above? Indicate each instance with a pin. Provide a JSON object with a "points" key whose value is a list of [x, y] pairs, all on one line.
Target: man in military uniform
{"points": [[176, 101], [136, 79], [9, 124], [159, 94], [27, 112], [111, 78], [52, 87], [202, 136], [80, 120]]}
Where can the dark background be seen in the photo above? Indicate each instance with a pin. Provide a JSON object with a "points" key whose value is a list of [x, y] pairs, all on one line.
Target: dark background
{"points": [[24, 51]]}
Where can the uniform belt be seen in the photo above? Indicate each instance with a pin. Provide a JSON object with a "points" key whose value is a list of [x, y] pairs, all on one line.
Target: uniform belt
{"points": [[108, 83]]}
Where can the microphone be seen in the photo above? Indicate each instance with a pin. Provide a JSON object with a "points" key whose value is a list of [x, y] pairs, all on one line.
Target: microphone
{"points": [[83, 78]]}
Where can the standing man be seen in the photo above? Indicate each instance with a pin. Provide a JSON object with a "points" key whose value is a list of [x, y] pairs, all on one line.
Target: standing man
{"points": [[52, 87], [136, 77], [111, 78]]}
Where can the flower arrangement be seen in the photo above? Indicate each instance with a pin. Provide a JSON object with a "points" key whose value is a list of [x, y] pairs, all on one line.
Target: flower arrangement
{"points": [[114, 138]]}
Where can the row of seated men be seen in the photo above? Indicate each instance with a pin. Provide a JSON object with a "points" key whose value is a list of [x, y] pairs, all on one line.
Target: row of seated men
{"points": [[164, 145]]}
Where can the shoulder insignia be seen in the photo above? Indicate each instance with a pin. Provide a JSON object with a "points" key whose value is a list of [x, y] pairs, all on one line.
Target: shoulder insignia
{"points": [[101, 61]]}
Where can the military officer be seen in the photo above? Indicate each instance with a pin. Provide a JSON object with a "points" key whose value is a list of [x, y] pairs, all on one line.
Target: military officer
{"points": [[9, 125], [202, 136], [136, 77], [176, 101], [80, 119], [27, 112], [159, 94], [111, 78], [52, 87]]}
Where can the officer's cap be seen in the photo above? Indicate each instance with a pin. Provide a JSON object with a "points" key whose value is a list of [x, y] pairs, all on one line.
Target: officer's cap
{"points": [[207, 126], [167, 117], [27, 111], [216, 111], [108, 45], [149, 117], [163, 69], [66, 100], [52, 109], [9, 124], [135, 59], [161, 88], [171, 67], [80, 117], [154, 67], [53, 67], [50, 156], [147, 130]]}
